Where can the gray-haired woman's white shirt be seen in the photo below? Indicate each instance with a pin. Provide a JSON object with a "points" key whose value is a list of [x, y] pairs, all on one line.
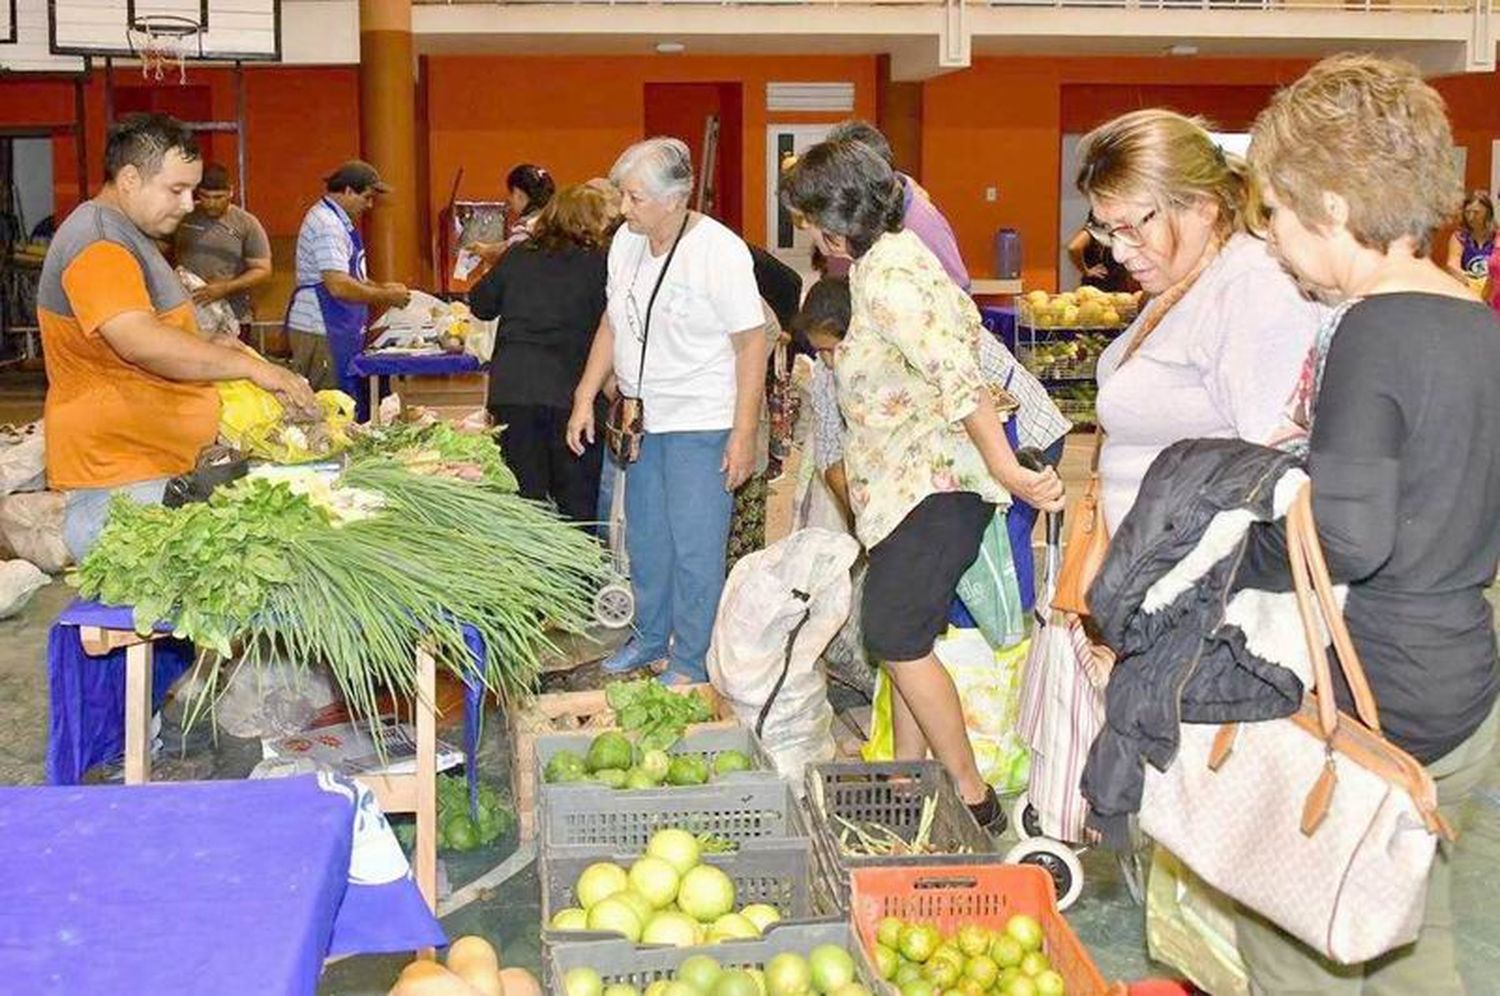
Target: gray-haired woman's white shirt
{"points": [[707, 295], [1224, 363]]}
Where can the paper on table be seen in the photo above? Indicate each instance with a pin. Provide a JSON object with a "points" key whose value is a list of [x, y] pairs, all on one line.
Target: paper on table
{"points": [[417, 313]]}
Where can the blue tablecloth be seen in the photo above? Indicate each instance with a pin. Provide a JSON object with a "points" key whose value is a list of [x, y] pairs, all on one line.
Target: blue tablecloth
{"points": [[239, 887], [413, 365], [88, 693]]}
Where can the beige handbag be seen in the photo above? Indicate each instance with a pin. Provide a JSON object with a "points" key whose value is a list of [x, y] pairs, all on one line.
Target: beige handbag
{"points": [[1316, 821]]}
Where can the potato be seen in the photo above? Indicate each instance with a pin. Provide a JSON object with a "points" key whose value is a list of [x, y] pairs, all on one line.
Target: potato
{"points": [[519, 982], [428, 978]]}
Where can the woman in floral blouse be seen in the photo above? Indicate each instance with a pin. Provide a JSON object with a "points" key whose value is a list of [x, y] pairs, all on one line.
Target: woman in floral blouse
{"points": [[924, 450]]}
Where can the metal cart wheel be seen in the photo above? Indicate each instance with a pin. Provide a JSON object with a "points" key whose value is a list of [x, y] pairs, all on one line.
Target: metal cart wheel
{"points": [[1025, 818], [1057, 860], [614, 605]]}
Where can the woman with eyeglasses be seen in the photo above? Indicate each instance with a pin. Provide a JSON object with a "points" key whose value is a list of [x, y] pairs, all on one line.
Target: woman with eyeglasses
{"points": [[683, 332], [1218, 350], [925, 454]]}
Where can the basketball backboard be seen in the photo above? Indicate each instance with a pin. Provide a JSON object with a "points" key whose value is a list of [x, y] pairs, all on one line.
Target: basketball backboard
{"points": [[230, 30], [29, 49]]}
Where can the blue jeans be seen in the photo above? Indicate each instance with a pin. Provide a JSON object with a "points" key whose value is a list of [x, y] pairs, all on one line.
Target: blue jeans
{"points": [[87, 508], [677, 528]]}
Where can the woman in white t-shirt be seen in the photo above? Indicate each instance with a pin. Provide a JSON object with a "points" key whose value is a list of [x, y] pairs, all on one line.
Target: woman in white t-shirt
{"points": [[684, 333]]}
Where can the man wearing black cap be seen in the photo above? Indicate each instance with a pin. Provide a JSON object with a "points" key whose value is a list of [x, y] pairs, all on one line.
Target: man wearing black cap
{"points": [[223, 243], [330, 307]]}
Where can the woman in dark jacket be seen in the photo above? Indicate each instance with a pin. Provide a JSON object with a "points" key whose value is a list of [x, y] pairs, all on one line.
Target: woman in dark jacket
{"points": [[548, 293], [1356, 162]]}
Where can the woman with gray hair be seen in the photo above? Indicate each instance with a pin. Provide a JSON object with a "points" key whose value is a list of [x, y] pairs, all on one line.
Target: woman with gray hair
{"points": [[925, 454], [683, 335]]}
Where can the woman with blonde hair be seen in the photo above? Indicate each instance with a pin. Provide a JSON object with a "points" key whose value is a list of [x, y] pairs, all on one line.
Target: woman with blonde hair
{"points": [[548, 293], [1470, 245], [1356, 162], [1218, 349]]}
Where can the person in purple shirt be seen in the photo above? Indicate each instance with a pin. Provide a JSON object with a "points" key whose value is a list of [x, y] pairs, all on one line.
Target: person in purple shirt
{"points": [[922, 217]]}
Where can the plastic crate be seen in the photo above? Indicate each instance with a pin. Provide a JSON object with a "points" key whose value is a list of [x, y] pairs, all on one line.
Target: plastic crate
{"points": [[740, 810], [778, 873], [890, 794], [569, 712], [708, 742], [619, 961], [950, 896]]}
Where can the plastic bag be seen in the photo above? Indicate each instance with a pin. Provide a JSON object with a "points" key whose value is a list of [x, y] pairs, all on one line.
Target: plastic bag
{"points": [[23, 458], [271, 700], [989, 688], [19, 580], [251, 420], [215, 317], [779, 609], [480, 342], [32, 525], [1190, 926], [989, 590]]}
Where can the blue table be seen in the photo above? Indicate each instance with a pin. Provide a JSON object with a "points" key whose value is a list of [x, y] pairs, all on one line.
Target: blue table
{"points": [[374, 366], [196, 887], [1001, 321], [103, 677]]}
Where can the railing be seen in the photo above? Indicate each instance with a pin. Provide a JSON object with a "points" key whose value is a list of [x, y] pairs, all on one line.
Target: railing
{"points": [[1355, 6]]}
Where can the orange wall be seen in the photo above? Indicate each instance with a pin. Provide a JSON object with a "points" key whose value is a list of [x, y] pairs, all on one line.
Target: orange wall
{"points": [[574, 115], [1000, 123]]}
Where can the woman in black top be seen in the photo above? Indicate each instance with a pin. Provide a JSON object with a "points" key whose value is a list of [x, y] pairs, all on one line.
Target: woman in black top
{"points": [[1402, 400], [548, 293]]}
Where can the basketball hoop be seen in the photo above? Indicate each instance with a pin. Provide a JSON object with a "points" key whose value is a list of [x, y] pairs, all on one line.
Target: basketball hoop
{"points": [[159, 40]]}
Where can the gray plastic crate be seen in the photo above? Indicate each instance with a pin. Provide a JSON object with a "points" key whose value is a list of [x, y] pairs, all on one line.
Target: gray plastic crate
{"points": [[889, 794], [760, 808], [777, 872], [619, 961], [709, 743]]}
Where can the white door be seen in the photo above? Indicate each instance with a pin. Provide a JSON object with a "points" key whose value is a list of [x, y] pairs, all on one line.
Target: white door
{"points": [[784, 240]]}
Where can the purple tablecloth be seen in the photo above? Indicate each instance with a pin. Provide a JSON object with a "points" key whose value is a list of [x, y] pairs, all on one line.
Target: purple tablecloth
{"points": [[236, 887], [413, 365], [88, 693]]}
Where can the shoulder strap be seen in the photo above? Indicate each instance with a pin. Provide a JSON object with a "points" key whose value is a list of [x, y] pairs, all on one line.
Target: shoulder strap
{"points": [[640, 373]]}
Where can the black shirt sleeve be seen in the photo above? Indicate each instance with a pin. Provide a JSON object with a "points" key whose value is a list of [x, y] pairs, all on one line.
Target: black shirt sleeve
{"points": [[1354, 463], [486, 298]]}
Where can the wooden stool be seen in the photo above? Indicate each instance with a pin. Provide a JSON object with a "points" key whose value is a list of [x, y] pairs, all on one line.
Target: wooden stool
{"points": [[413, 793]]}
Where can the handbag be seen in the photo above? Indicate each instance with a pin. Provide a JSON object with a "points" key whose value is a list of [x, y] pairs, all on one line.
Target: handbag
{"points": [[625, 423], [216, 466], [1315, 821]]}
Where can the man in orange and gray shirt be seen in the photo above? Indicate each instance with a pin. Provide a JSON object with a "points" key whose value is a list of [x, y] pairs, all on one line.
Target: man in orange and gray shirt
{"points": [[130, 385]]}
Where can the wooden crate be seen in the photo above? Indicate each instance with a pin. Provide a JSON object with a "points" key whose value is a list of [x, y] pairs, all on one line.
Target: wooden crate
{"points": [[570, 712]]}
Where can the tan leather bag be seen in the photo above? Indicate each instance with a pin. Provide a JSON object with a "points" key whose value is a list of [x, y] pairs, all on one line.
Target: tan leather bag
{"points": [[1085, 545], [1316, 822]]}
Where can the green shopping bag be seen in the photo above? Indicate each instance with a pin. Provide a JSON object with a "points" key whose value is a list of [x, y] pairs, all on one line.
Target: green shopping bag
{"points": [[990, 591]]}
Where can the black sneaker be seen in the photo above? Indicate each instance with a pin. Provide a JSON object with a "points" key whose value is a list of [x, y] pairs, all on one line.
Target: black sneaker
{"points": [[989, 814]]}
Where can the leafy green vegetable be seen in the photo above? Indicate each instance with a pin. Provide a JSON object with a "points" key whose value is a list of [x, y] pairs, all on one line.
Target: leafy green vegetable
{"points": [[419, 444], [463, 828], [655, 713]]}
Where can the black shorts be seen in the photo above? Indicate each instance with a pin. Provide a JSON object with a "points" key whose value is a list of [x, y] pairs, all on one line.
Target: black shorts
{"points": [[915, 571]]}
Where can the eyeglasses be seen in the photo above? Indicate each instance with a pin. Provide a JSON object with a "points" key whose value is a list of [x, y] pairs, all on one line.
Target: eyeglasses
{"points": [[1129, 236]]}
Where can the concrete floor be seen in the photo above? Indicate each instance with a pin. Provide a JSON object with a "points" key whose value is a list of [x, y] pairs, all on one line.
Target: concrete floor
{"points": [[1107, 920]]}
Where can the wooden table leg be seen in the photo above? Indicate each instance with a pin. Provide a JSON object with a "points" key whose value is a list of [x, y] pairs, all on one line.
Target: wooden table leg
{"points": [[374, 398], [138, 668], [425, 706]]}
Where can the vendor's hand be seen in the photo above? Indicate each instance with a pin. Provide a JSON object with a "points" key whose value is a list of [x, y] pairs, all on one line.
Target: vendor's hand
{"points": [[293, 390], [1098, 271], [581, 427], [1042, 490], [396, 295], [490, 252], [209, 293], [739, 458]]}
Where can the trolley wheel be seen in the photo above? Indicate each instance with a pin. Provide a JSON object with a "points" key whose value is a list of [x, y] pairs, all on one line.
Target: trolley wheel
{"points": [[1057, 860], [1025, 818], [614, 606]]}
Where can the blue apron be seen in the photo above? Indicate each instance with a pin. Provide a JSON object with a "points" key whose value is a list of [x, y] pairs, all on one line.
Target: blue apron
{"points": [[343, 321]]}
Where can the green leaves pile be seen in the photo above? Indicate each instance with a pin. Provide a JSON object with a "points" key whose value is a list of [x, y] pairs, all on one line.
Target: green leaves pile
{"points": [[655, 713], [422, 445], [268, 572]]}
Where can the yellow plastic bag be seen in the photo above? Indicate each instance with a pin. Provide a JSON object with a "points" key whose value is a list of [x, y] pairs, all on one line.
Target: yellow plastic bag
{"points": [[251, 420], [1190, 926], [989, 687]]}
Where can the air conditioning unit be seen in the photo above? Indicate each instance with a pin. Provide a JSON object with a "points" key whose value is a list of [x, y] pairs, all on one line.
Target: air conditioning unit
{"points": [[834, 98]]}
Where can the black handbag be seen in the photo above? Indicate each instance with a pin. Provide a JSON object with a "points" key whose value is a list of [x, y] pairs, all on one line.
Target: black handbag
{"points": [[625, 425], [217, 466]]}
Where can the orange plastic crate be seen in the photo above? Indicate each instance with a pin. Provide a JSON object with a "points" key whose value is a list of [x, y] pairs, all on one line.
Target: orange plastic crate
{"points": [[950, 896]]}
